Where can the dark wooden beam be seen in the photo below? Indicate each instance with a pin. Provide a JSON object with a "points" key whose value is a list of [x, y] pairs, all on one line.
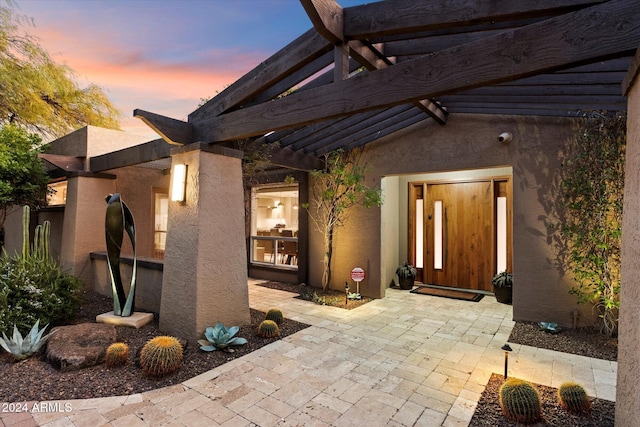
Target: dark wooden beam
{"points": [[591, 34], [366, 136], [173, 131], [373, 59], [351, 124], [65, 163], [382, 120], [405, 16], [326, 16], [297, 160], [285, 85], [302, 51], [143, 153]]}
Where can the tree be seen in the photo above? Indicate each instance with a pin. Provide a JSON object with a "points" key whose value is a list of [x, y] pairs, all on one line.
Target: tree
{"points": [[592, 178], [23, 180], [40, 95], [335, 189]]}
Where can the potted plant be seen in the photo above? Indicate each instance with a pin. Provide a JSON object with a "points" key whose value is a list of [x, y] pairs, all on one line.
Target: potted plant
{"points": [[406, 276], [503, 287]]}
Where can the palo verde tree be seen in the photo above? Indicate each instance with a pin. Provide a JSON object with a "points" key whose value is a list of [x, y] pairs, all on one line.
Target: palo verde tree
{"points": [[592, 179], [40, 95], [335, 189], [23, 180]]}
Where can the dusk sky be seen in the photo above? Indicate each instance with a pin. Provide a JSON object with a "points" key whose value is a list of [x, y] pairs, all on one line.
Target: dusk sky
{"points": [[163, 56]]}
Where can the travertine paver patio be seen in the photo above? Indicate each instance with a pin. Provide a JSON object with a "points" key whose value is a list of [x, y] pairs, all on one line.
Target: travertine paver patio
{"points": [[405, 360]]}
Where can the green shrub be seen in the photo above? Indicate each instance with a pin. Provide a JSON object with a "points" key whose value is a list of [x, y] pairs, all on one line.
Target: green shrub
{"points": [[573, 398], [268, 329], [274, 314], [520, 401], [35, 289], [117, 355], [161, 356], [33, 286]]}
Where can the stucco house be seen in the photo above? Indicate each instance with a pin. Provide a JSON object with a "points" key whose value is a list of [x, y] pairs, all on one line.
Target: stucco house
{"points": [[463, 114]]}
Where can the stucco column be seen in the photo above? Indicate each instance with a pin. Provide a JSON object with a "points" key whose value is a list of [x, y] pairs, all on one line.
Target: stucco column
{"points": [[83, 226], [628, 387], [205, 262]]}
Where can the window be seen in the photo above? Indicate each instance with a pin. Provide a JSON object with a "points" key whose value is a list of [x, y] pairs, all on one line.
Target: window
{"points": [[57, 193], [161, 215], [274, 226]]}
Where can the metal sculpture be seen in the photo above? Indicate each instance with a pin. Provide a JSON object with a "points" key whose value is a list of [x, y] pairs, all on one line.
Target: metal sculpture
{"points": [[118, 219]]}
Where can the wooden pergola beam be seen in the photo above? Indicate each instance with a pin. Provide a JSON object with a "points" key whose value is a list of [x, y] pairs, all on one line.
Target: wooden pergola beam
{"points": [[587, 35], [297, 54], [409, 16], [326, 16], [147, 152], [173, 131]]}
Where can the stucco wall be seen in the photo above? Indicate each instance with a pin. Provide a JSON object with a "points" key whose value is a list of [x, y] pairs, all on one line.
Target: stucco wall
{"points": [[468, 142], [91, 141], [628, 390], [84, 223], [135, 185], [205, 264]]}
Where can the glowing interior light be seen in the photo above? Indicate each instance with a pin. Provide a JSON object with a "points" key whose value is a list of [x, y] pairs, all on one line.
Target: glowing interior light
{"points": [[501, 237], [419, 233], [437, 235]]}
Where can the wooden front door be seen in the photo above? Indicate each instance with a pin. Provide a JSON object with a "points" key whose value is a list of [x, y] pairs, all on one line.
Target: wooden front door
{"points": [[460, 235]]}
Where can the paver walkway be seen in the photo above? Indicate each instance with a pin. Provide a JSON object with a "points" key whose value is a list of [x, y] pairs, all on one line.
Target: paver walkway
{"points": [[405, 360]]}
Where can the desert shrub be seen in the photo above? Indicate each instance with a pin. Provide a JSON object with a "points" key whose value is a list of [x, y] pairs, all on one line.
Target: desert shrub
{"points": [[33, 289]]}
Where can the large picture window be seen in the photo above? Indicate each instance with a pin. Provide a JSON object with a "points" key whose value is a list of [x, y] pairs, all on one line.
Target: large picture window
{"points": [[274, 226]]}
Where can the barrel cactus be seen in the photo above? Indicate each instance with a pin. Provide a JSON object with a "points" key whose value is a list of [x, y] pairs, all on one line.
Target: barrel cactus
{"points": [[117, 355], [161, 356], [520, 401], [274, 314], [573, 398], [268, 329]]}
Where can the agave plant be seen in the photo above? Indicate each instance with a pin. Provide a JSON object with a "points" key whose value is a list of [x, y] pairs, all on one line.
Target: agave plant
{"points": [[21, 348], [220, 338]]}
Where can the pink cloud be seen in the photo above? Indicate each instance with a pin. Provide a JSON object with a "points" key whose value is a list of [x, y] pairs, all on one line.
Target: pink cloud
{"points": [[132, 78]]}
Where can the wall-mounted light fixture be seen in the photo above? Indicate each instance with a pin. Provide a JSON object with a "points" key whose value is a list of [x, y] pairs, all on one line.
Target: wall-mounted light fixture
{"points": [[179, 182]]}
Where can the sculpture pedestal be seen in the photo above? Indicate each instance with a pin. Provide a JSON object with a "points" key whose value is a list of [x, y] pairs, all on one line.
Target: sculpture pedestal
{"points": [[136, 320]]}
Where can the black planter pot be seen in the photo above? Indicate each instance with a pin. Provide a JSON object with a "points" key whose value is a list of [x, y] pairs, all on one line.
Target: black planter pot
{"points": [[504, 294], [406, 283]]}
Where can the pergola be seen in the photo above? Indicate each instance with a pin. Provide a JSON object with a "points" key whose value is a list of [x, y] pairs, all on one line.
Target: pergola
{"points": [[366, 71]]}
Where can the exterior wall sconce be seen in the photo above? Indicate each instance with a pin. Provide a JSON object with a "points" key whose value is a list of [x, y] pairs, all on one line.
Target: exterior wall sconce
{"points": [[179, 183]]}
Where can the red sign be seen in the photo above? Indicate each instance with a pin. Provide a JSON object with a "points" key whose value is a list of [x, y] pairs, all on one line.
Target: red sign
{"points": [[357, 274]]}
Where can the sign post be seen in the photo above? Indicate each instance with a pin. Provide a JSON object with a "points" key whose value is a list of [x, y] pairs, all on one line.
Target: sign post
{"points": [[357, 275]]}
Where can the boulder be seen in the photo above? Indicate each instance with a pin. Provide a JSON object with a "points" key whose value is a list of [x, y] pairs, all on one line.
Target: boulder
{"points": [[79, 346]]}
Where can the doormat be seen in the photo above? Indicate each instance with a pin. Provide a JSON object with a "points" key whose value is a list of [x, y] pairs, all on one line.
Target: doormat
{"points": [[448, 293]]}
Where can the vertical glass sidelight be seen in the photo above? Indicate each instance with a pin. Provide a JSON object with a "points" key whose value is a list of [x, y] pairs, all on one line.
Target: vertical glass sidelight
{"points": [[501, 234], [419, 233], [437, 234]]}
